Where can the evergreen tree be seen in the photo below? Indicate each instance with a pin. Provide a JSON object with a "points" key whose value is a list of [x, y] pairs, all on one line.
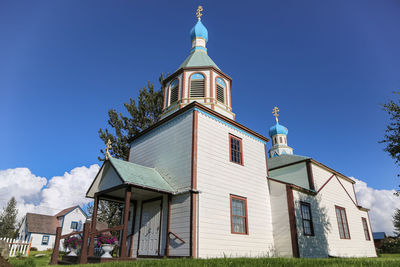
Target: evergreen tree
{"points": [[142, 114], [8, 219], [392, 132], [396, 222]]}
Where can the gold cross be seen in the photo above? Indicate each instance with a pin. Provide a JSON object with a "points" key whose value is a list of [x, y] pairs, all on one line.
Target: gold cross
{"points": [[108, 146], [275, 113], [198, 13]]}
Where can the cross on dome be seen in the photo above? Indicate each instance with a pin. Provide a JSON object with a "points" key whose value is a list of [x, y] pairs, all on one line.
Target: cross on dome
{"points": [[275, 113], [198, 13]]}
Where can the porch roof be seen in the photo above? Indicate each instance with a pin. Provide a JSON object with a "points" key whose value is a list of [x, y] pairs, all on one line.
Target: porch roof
{"points": [[142, 176]]}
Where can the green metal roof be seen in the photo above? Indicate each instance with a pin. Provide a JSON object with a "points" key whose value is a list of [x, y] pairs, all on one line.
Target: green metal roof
{"points": [[132, 173], [198, 59], [285, 159]]}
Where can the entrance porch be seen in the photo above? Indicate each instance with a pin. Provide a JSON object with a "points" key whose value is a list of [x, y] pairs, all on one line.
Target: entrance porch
{"points": [[146, 199]]}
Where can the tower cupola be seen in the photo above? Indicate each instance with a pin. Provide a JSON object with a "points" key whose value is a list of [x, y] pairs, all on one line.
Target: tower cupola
{"points": [[278, 134], [198, 78]]}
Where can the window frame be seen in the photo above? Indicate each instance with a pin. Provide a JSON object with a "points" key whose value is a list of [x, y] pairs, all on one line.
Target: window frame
{"points": [[341, 224], [223, 87], [231, 197], [48, 240], [77, 224], [308, 205], [170, 91], [204, 85], [366, 229], [231, 136]]}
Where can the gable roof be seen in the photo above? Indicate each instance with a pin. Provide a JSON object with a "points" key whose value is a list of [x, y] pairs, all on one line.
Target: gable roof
{"points": [[198, 59], [135, 174], [39, 223], [65, 211], [378, 235], [283, 160]]}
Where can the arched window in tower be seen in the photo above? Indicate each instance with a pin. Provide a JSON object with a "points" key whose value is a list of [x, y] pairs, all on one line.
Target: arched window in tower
{"points": [[197, 85], [174, 90], [221, 90]]}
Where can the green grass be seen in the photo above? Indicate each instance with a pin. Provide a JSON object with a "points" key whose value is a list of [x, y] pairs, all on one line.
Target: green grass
{"points": [[386, 260]]}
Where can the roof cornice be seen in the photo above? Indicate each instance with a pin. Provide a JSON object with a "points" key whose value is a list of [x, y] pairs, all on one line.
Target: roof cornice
{"points": [[205, 109]]}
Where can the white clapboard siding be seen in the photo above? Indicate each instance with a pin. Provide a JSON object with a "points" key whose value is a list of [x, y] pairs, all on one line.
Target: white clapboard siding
{"points": [[180, 225], [217, 178], [280, 219], [18, 247], [167, 148], [323, 211]]}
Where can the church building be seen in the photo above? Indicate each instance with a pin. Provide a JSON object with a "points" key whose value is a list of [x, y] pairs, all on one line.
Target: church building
{"points": [[199, 184]]}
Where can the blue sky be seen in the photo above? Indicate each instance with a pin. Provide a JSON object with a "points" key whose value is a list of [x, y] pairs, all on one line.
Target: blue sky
{"points": [[328, 65]]}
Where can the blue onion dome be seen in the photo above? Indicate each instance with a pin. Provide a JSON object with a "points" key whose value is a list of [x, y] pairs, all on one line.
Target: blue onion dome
{"points": [[199, 31], [278, 129]]}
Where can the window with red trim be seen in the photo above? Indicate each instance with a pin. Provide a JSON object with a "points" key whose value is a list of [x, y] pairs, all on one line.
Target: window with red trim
{"points": [[342, 222], [306, 216], [239, 222], [366, 231], [235, 148]]}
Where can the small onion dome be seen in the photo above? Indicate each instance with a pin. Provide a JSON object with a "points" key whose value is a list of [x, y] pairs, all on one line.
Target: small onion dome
{"points": [[278, 129], [199, 31]]}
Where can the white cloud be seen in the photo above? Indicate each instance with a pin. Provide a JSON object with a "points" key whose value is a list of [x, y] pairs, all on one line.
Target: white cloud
{"points": [[382, 204], [36, 194]]}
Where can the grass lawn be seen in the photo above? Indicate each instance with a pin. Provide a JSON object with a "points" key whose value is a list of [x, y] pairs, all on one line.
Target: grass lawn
{"points": [[386, 260]]}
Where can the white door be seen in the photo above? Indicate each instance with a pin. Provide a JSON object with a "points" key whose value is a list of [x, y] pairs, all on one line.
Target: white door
{"points": [[150, 228]]}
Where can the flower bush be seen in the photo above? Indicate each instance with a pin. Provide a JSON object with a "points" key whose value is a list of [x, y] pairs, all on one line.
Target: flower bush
{"points": [[104, 239], [72, 242]]}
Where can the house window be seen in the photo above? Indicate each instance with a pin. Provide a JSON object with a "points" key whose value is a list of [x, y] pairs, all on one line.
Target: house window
{"points": [[366, 231], [239, 222], [74, 225], [197, 85], [221, 90], [236, 151], [174, 92], [342, 223], [45, 240], [306, 216]]}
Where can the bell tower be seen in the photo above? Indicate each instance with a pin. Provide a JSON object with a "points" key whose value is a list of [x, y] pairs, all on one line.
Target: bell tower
{"points": [[198, 78], [278, 134]]}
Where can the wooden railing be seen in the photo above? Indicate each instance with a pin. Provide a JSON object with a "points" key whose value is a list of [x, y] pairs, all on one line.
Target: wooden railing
{"points": [[86, 245]]}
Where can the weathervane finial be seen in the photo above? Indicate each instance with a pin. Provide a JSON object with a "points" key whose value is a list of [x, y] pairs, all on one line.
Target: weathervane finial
{"points": [[108, 146], [198, 13], [275, 113]]}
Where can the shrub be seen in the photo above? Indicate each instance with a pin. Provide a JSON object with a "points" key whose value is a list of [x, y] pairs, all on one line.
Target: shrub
{"points": [[33, 249], [390, 245]]}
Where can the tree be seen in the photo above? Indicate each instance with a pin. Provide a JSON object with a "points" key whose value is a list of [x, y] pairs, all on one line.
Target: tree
{"points": [[392, 132], [396, 222], [8, 219], [146, 112]]}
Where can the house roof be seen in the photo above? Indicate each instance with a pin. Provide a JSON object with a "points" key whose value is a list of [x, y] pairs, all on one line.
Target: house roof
{"points": [[39, 223], [139, 175], [378, 235], [285, 159], [198, 59], [65, 211]]}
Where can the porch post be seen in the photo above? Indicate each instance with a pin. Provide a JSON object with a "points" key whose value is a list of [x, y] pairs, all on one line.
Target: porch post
{"points": [[93, 226], [125, 224]]}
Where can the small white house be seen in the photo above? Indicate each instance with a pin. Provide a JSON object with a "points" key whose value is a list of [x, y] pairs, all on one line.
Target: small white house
{"points": [[42, 228]]}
